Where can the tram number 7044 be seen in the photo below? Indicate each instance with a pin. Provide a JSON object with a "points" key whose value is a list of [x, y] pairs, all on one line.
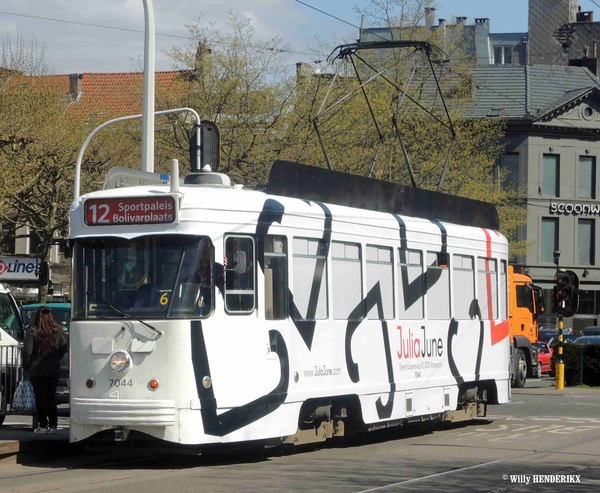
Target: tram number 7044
{"points": [[115, 382]]}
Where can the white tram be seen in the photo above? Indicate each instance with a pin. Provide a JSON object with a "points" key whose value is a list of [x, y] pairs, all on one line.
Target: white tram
{"points": [[325, 318]]}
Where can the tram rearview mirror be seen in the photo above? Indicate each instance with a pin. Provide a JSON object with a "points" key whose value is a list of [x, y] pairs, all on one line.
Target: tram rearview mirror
{"points": [[239, 263], [207, 148], [239, 266]]}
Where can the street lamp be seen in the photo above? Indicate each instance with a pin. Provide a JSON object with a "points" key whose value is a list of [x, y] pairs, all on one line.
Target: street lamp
{"points": [[148, 106]]}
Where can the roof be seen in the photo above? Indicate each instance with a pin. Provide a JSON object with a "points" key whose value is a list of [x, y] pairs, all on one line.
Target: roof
{"points": [[114, 94], [527, 91]]}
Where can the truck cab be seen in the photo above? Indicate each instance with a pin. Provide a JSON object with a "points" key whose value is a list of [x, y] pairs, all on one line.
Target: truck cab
{"points": [[526, 303]]}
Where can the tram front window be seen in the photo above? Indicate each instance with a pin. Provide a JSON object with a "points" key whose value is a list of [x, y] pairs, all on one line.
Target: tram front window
{"points": [[147, 277]]}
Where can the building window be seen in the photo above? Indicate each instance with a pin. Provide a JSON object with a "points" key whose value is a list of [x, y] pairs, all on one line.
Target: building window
{"points": [[550, 175], [509, 167], [503, 55], [549, 239], [586, 188], [587, 303], [585, 241]]}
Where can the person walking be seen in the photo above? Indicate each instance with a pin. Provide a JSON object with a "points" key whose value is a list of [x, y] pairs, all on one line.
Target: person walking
{"points": [[45, 345]]}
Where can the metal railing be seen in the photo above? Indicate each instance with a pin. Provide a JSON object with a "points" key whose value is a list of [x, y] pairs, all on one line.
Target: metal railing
{"points": [[11, 374]]}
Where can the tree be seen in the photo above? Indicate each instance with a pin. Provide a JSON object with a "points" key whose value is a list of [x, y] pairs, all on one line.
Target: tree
{"points": [[239, 83], [353, 139], [39, 142]]}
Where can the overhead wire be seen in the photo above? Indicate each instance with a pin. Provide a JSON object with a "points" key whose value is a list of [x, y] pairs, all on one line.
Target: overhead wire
{"points": [[138, 31], [450, 69]]}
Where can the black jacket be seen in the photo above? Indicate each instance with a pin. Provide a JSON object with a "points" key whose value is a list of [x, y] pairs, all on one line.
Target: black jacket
{"points": [[37, 364]]}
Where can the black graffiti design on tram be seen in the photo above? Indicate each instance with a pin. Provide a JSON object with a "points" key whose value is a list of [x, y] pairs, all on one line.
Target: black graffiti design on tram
{"points": [[452, 331], [373, 298], [474, 311], [306, 328], [273, 212], [412, 292], [238, 417], [453, 328]]}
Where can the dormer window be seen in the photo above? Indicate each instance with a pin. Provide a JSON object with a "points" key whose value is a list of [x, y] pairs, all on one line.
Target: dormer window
{"points": [[503, 55]]}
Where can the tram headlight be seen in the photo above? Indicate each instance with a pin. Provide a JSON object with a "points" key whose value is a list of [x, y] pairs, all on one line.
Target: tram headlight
{"points": [[120, 361]]}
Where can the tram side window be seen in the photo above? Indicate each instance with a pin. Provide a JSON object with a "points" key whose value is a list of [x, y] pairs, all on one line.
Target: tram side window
{"points": [[276, 283], [239, 274], [503, 298], [347, 281], [411, 285], [380, 273], [463, 283], [487, 287], [438, 286], [310, 279]]}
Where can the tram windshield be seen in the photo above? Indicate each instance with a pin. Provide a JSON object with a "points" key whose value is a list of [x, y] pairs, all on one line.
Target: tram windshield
{"points": [[147, 277]]}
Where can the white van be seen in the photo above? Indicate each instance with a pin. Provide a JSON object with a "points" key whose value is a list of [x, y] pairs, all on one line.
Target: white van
{"points": [[11, 326], [11, 336]]}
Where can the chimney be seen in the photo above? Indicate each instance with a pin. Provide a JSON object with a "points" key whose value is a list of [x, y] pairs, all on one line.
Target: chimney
{"points": [[585, 16], [75, 85], [482, 41], [202, 51], [303, 71], [442, 23], [429, 16], [461, 20]]}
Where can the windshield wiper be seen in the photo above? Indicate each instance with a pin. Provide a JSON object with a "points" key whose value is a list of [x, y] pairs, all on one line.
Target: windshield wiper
{"points": [[97, 298]]}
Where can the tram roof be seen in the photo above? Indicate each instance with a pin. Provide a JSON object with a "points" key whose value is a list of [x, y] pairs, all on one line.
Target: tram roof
{"points": [[298, 188]]}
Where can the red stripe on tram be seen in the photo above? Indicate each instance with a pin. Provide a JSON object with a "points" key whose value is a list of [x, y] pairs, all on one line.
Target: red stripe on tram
{"points": [[498, 331]]}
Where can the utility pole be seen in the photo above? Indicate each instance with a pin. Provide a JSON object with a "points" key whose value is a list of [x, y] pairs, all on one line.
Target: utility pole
{"points": [[560, 364]]}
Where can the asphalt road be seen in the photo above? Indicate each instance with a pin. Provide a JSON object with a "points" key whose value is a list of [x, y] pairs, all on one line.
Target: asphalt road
{"points": [[541, 432]]}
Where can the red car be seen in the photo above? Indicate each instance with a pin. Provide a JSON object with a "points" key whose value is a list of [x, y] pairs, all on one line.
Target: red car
{"points": [[544, 357]]}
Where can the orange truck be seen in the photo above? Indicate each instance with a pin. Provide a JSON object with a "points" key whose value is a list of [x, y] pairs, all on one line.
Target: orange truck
{"points": [[526, 303]]}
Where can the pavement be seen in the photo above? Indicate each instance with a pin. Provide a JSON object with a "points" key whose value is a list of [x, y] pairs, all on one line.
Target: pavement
{"points": [[18, 439], [18, 442]]}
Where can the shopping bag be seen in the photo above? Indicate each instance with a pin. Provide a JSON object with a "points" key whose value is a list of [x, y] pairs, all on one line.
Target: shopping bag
{"points": [[24, 398]]}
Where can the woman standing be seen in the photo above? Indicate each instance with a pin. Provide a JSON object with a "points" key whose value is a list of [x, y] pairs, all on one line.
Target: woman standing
{"points": [[45, 345]]}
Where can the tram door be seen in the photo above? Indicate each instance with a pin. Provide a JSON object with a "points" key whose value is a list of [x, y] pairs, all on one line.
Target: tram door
{"points": [[249, 366]]}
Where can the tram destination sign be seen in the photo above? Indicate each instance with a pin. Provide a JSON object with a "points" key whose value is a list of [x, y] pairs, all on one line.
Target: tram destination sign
{"points": [[130, 210]]}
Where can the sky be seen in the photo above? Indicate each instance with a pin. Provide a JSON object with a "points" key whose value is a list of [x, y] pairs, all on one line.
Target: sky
{"points": [[79, 36]]}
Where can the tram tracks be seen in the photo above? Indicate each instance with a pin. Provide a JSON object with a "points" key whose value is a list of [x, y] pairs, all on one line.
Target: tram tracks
{"points": [[110, 469], [449, 472]]}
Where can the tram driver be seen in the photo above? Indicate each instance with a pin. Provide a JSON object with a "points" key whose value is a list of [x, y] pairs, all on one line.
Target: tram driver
{"points": [[203, 278]]}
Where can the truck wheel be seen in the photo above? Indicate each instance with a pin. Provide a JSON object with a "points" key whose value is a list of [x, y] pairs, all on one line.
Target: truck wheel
{"points": [[539, 371], [521, 375]]}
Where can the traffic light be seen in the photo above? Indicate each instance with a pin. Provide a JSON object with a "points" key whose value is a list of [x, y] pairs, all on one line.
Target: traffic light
{"points": [[574, 292], [566, 293]]}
